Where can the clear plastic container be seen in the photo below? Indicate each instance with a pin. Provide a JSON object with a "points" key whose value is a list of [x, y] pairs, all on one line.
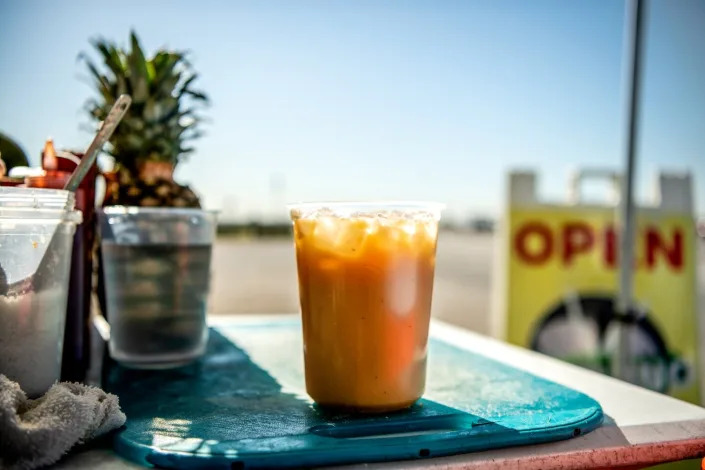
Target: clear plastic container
{"points": [[36, 239], [365, 284], [156, 267]]}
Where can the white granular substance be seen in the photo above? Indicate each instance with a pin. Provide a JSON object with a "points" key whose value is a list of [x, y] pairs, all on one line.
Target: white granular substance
{"points": [[31, 337]]}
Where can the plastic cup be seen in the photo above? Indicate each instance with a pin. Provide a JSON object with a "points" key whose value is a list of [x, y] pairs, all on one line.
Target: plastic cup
{"points": [[365, 284], [36, 239], [156, 267]]}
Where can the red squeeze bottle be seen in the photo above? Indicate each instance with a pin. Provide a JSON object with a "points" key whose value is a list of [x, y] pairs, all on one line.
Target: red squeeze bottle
{"points": [[58, 169]]}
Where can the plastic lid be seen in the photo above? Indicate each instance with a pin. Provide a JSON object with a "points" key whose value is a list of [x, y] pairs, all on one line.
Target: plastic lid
{"points": [[38, 203]]}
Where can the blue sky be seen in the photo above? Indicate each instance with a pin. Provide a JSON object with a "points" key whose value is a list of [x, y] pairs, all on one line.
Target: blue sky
{"points": [[379, 99]]}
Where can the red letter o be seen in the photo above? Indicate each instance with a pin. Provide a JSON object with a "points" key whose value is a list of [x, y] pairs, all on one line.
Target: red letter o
{"points": [[522, 247]]}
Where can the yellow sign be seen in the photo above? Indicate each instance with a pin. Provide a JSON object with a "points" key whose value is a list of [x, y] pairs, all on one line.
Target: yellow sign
{"points": [[561, 282]]}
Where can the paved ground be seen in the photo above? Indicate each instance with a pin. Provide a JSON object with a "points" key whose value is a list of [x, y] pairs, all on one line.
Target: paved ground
{"points": [[259, 276]]}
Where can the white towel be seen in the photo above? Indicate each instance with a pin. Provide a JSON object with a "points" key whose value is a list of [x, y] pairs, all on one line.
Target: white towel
{"points": [[34, 433]]}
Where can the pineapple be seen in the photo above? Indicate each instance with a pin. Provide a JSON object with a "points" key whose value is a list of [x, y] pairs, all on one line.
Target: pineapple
{"points": [[152, 138]]}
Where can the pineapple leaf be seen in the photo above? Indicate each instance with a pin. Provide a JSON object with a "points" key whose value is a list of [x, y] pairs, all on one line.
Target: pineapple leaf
{"points": [[150, 71], [199, 95], [139, 77], [101, 79], [184, 90], [111, 60]]}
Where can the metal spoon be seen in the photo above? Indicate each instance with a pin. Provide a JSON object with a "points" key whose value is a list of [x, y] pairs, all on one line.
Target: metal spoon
{"points": [[44, 272], [106, 130]]}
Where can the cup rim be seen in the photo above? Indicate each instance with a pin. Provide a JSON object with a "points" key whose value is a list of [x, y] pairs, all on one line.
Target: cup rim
{"points": [[354, 208], [41, 215], [41, 193], [376, 204], [37, 203]]}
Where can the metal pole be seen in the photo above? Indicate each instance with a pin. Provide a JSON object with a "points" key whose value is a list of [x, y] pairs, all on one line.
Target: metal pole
{"points": [[635, 18]]}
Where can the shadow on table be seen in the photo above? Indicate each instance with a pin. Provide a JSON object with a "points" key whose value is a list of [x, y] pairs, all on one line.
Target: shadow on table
{"points": [[225, 405]]}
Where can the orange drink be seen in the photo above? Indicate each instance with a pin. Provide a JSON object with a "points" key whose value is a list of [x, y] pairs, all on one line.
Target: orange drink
{"points": [[365, 284]]}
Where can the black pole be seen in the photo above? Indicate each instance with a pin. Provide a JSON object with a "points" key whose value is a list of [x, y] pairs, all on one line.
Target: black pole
{"points": [[634, 21]]}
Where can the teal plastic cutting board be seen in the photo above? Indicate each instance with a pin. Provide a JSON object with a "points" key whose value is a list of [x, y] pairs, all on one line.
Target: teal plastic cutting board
{"points": [[243, 406]]}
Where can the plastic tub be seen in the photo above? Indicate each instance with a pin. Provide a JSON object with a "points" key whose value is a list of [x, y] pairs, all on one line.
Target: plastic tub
{"points": [[36, 239]]}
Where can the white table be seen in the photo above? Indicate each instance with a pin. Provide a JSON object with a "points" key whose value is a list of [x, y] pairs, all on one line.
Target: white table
{"points": [[641, 427]]}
